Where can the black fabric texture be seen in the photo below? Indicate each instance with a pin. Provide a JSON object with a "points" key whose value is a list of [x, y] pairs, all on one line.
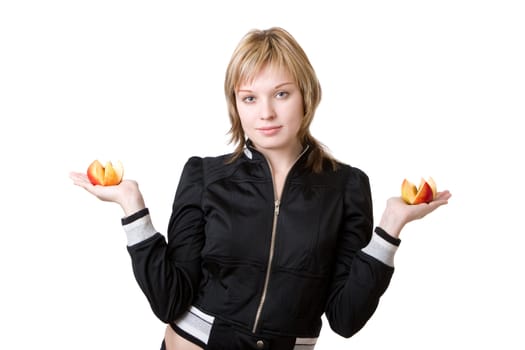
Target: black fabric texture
{"points": [[219, 238]]}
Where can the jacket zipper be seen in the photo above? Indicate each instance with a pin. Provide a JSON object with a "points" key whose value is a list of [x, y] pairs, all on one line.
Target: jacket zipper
{"points": [[272, 246], [268, 269]]}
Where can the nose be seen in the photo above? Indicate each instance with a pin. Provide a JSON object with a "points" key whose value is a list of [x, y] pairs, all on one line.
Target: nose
{"points": [[267, 110]]}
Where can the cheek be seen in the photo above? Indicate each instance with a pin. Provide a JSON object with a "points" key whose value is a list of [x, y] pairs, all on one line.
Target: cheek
{"points": [[247, 113], [243, 116], [241, 109], [245, 119], [298, 114]]}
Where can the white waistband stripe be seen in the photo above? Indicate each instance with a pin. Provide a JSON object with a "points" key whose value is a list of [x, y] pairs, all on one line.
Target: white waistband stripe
{"points": [[196, 323], [199, 325], [305, 343]]}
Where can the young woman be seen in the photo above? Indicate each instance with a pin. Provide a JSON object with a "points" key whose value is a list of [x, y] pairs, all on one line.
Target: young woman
{"points": [[264, 241]]}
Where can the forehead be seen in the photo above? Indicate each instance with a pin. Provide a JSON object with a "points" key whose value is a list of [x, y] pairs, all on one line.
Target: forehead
{"points": [[268, 73]]}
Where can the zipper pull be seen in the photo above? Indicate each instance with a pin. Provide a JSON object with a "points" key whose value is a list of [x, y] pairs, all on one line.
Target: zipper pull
{"points": [[277, 202]]}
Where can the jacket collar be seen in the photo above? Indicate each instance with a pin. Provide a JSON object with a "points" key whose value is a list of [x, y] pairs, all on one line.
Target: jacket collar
{"points": [[250, 151]]}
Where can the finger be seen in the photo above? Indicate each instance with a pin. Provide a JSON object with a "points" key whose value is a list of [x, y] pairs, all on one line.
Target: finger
{"points": [[77, 175], [79, 179], [444, 195], [437, 203]]}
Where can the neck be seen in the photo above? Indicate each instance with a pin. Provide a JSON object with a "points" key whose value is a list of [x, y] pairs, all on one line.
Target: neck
{"points": [[282, 160]]}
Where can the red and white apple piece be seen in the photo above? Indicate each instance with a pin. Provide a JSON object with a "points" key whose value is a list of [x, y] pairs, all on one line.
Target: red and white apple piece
{"points": [[424, 193], [108, 175]]}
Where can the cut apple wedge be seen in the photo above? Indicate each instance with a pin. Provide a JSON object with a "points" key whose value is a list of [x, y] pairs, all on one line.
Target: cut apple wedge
{"points": [[108, 175], [433, 186], [425, 193]]}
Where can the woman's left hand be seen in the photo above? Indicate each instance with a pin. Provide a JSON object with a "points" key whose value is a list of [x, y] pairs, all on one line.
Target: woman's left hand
{"points": [[398, 213]]}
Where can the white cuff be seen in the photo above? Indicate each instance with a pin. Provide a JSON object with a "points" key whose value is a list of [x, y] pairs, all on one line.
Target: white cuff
{"points": [[139, 230], [381, 250]]}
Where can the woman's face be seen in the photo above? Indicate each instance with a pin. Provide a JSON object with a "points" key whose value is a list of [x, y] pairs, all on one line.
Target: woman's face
{"points": [[271, 110]]}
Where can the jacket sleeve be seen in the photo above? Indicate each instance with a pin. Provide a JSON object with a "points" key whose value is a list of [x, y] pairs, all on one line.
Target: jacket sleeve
{"points": [[169, 272], [361, 274]]}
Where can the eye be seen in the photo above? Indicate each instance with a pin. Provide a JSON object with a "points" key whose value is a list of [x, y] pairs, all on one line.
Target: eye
{"points": [[282, 94], [248, 99]]}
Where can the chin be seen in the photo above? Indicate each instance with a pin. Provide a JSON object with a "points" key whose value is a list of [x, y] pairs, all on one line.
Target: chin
{"points": [[269, 145]]}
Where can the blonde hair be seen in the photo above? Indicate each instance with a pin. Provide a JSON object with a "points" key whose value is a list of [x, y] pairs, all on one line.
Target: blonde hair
{"points": [[275, 47]]}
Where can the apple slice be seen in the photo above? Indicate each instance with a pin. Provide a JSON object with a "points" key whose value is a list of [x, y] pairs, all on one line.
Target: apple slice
{"points": [[108, 175], [95, 173], [425, 193], [432, 184], [408, 191]]}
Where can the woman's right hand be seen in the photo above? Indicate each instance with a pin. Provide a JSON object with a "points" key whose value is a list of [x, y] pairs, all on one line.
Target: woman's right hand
{"points": [[126, 194]]}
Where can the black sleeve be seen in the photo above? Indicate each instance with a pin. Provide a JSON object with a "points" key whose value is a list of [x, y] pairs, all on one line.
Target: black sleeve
{"points": [[359, 279], [169, 272]]}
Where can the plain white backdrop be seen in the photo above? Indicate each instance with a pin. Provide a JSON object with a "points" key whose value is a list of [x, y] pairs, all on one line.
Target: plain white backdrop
{"points": [[411, 89]]}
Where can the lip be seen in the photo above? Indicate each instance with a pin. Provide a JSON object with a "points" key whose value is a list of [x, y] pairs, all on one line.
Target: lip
{"points": [[269, 130]]}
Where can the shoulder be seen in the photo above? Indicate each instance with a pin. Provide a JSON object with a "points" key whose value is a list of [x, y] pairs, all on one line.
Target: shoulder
{"points": [[343, 173], [351, 172], [208, 161], [211, 167], [355, 181]]}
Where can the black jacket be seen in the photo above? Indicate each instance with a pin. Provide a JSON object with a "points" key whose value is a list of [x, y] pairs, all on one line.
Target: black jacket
{"points": [[263, 267]]}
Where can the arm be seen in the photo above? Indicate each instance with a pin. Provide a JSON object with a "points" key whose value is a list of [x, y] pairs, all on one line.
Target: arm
{"points": [[359, 278], [168, 274], [365, 265]]}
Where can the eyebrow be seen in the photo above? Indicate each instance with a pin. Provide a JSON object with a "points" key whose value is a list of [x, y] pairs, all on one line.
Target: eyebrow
{"points": [[275, 88]]}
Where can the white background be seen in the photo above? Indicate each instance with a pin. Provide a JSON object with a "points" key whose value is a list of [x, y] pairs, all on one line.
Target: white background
{"points": [[411, 89]]}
